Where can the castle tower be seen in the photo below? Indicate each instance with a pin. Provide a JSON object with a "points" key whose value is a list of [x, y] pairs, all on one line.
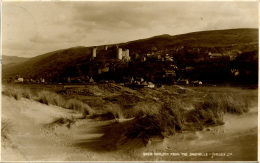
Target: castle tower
{"points": [[106, 47], [94, 52], [127, 52], [119, 53]]}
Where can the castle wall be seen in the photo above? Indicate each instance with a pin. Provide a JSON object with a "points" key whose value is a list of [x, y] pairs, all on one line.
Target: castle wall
{"points": [[126, 53]]}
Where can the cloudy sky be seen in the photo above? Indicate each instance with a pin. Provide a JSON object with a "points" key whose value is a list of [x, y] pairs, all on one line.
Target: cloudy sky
{"points": [[33, 28]]}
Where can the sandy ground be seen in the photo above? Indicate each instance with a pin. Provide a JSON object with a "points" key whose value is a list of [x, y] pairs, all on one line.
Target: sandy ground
{"points": [[37, 132]]}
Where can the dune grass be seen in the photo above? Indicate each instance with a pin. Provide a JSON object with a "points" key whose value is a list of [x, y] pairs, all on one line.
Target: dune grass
{"points": [[209, 111], [170, 115], [12, 92], [46, 97], [165, 121]]}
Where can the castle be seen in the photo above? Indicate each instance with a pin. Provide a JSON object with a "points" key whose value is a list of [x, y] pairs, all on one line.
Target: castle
{"points": [[120, 53]]}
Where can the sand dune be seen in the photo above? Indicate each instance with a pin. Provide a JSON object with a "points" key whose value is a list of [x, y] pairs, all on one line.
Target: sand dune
{"points": [[40, 132], [236, 140]]}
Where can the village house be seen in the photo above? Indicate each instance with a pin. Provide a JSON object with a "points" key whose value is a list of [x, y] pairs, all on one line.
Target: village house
{"points": [[27, 80], [168, 58], [196, 83], [42, 80], [235, 72], [19, 80], [104, 69], [218, 57], [215, 55], [143, 59], [170, 73], [150, 85], [91, 80], [183, 81]]}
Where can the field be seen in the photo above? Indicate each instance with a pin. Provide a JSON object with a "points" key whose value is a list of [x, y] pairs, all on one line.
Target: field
{"points": [[111, 122]]}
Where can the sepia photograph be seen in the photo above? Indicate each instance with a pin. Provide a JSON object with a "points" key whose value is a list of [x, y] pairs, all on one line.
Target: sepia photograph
{"points": [[129, 80]]}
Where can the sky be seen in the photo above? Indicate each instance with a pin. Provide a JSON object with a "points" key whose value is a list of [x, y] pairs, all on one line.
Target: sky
{"points": [[34, 28]]}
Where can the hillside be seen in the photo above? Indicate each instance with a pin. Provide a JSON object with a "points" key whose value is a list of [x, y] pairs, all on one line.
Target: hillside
{"points": [[192, 46], [47, 64], [12, 59]]}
